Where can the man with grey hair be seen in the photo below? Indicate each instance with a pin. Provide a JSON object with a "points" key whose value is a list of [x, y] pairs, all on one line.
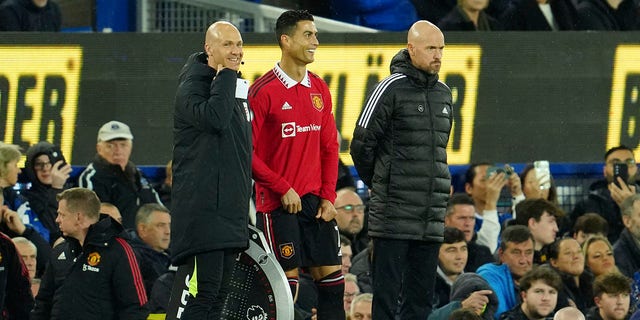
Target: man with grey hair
{"points": [[351, 290], [94, 269], [626, 249], [150, 241], [361, 307], [113, 177], [28, 251]]}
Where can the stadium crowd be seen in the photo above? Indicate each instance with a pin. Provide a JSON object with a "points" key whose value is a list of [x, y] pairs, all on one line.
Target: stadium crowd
{"points": [[480, 15], [542, 259]]}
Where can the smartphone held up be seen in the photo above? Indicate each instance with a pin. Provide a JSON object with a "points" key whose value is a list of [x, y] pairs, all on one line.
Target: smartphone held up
{"points": [[620, 170], [543, 173]]}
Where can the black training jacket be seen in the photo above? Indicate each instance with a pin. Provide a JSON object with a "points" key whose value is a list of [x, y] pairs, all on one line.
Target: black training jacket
{"points": [[100, 280], [399, 149]]}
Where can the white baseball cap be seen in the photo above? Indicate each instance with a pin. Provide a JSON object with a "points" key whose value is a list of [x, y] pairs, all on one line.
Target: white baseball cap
{"points": [[114, 130]]}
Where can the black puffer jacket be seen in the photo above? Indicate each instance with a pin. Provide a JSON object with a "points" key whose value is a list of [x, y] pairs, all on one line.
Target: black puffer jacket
{"points": [[42, 197], [399, 149], [211, 162]]}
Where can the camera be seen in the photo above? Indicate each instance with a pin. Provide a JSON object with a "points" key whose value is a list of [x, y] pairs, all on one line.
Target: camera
{"points": [[497, 170]]}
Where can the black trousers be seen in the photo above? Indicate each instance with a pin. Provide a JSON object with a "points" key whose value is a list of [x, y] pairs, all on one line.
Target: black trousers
{"points": [[403, 274], [212, 274]]}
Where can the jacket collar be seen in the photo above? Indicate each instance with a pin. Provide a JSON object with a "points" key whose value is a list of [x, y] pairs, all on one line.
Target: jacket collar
{"points": [[401, 63], [287, 81], [102, 231]]}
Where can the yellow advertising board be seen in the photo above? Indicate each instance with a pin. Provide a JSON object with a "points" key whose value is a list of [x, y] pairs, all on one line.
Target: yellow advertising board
{"points": [[39, 94], [625, 99]]}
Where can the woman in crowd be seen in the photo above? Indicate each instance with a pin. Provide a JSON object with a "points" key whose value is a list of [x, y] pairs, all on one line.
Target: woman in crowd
{"points": [[531, 186], [598, 255], [566, 257]]}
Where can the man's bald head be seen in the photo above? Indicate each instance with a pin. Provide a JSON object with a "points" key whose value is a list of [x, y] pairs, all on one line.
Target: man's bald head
{"points": [[223, 45], [568, 313], [215, 30], [425, 43], [420, 29]]}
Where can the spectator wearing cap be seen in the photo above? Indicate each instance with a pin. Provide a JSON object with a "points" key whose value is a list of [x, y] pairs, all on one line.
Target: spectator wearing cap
{"points": [[113, 177]]}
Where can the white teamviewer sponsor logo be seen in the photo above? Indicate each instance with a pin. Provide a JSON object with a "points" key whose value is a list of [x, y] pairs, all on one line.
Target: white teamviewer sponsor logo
{"points": [[308, 128], [86, 267], [289, 129]]}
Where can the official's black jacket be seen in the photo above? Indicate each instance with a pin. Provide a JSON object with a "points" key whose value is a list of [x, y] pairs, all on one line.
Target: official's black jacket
{"points": [[100, 280], [211, 162], [127, 189], [399, 149]]}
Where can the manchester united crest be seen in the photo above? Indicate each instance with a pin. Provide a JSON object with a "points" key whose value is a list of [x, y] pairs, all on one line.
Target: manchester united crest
{"points": [[286, 250], [316, 100], [93, 259]]}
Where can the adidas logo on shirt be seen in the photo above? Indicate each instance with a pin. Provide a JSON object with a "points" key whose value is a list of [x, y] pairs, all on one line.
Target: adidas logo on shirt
{"points": [[444, 110], [286, 106], [62, 256]]}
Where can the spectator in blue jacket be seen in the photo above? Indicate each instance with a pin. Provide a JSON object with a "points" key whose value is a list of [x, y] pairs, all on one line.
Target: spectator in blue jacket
{"points": [[516, 259]]}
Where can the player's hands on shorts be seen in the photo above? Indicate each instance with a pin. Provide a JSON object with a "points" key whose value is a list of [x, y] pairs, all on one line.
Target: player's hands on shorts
{"points": [[326, 210], [291, 201]]}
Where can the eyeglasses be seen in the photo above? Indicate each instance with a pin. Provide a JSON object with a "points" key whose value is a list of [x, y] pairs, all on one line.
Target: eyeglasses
{"points": [[352, 207], [39, 166], [629, 162]]}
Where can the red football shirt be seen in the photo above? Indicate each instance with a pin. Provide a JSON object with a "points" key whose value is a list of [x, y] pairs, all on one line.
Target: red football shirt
{"points": [[294, 138]]}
